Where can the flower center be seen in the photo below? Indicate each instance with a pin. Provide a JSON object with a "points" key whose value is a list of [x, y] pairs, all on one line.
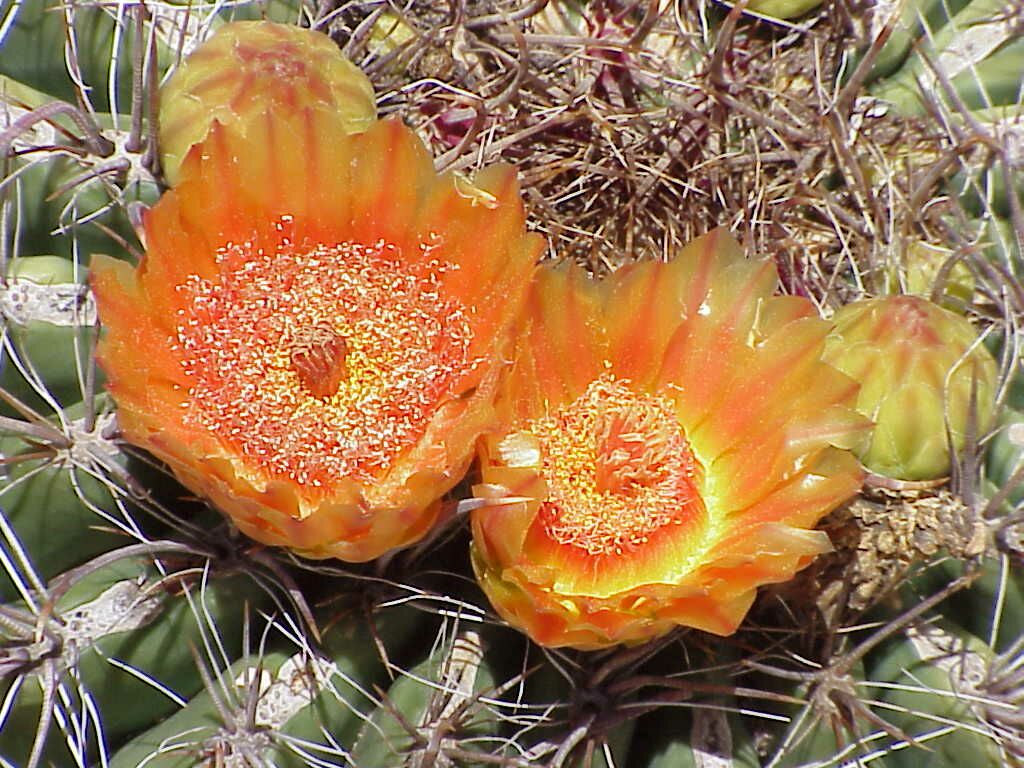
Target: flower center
{"points": [[319, 362], [318, 356], [618, 468]]}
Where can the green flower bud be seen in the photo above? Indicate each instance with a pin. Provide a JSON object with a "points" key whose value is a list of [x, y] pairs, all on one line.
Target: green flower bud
{"points": [[916, 364], [920, 267], [783, 9]]}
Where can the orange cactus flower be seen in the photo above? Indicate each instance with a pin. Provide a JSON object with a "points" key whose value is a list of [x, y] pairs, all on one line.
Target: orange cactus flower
{"points": [[249, 68], [313, 338], [673, 436]]}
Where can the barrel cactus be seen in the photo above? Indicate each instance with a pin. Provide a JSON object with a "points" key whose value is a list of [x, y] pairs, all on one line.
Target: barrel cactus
{"points": [[564, 277]]}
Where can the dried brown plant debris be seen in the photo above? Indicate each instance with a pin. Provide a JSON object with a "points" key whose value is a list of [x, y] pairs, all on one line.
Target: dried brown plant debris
{"points": [[639, 125]]}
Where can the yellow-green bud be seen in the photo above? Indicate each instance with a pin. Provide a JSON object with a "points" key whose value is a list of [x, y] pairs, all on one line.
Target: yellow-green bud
{"points": [[389, 33], [249, 69], [916, 363], [918, 272], [783, 9]]}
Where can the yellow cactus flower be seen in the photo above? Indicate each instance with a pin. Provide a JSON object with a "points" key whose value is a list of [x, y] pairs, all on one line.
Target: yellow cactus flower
{"points": [[248, 68], [313, 338], [672, 437], [916, 363]]}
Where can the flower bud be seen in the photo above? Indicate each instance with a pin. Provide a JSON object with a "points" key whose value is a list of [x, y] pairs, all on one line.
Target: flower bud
{"points": [[250, 68], [921, 369]]}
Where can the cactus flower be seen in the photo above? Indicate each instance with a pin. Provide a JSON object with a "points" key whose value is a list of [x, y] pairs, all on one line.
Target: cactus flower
{"points": [[249, 68], [313, 338], [672, 437], [916, 363]]}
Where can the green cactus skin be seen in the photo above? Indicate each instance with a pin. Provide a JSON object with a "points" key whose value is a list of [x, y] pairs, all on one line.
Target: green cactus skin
{"points": [[59, 211], [992, 608], [999, 244], [614, 750], [438, 689], [43, 507], [51, 505], [162, 650], [338, 702], [995, 80], [927, 677], [977, 44], [341, 708], [819, 737], [49, 320], [159, 649], [987, 193], [39, 31], [1005, 454], [915, 19], [687, 736], [185, 739], [903, 350], [981, 188]]}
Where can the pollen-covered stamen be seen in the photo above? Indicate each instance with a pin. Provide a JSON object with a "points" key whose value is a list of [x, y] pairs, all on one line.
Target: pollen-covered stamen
{"points": [[635, 446], [319, 362], [618, 469], [318, 357]]}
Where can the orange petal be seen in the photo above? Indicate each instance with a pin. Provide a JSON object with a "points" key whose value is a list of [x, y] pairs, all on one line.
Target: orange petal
{"points": [[289, 250], [479, 233], [562, 348], [830, 479]]}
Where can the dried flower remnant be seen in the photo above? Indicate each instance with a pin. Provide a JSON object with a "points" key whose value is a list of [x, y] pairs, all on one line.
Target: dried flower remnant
{"points": [[672, 437], [248, 68], [314, 344], [917, 364]]}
